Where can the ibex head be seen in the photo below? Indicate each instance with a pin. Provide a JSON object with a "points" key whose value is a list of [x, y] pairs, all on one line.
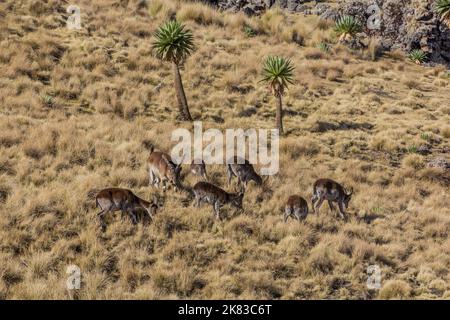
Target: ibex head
{"points": [[237, 198], [347, 197], [173, 173], [257, 178]]}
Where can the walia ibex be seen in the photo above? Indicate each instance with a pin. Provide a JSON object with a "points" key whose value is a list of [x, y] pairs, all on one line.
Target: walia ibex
{"points": [[162, 169], [118, 199], [243, 170], [217, 197], [327, 189], [296, 207], [198, 168]]}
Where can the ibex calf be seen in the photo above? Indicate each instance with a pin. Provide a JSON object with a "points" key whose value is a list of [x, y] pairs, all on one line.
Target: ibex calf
{"points": [[217, 197], [162, 169], [199, 169], [244, 171], [327, 189], [115, 199], [296, 207]]}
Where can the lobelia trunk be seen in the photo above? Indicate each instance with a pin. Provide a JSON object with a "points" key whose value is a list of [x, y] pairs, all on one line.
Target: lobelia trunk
{"points": [[181, 96], [279, 115]]}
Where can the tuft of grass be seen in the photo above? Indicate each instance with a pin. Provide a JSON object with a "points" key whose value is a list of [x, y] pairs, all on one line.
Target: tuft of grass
{"points": [[413, 161], [347, 27], [417, 56], [442, 8], [425, 136], [200, 14], [445, 131], [249, 31], [324, 47], [48, 101], [374, 49], [394, 289]]}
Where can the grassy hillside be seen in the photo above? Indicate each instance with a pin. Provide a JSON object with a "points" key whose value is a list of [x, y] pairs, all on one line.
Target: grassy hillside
{"points": [[78, 107]]}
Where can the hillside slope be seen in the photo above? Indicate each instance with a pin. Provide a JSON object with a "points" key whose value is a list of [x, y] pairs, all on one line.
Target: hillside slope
{"points": [[78, 107]]}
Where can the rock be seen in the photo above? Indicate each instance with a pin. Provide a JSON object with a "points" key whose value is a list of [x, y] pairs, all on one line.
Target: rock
{"points": [[424, 149], [252, 7], [321, 9], [439, 163], [405, 25], [248, 112]]}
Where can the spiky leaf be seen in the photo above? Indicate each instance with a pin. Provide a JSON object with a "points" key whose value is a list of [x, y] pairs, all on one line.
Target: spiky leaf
{"points": [[278, 72], [443, 9], [173, 42], [347, 26], [418, 56]]}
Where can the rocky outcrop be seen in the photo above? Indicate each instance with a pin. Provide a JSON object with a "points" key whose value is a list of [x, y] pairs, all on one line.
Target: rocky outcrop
{"points": [[404, 24], [441, 163], [254, 7]]}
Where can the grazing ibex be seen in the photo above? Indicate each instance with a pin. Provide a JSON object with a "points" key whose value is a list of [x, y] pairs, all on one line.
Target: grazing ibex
{"points": [[162, 169], [296, 207], [327, 189], [199, 169], [115, 199], [243, 170], [217, 197]]}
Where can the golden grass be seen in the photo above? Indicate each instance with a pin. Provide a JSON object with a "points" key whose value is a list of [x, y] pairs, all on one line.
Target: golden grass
{"points": [[77, 110]]}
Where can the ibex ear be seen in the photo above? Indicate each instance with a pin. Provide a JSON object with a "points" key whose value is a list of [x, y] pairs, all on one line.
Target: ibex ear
{"points": [[348, 192]]}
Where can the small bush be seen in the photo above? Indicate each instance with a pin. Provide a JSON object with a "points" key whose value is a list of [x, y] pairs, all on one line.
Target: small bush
{"points": [[324, 47], [346, 27], [374, 50], [47, 101], [417, 56], [249, 31], [395, 289], [445, 132], [413, 161], [200, 14], [442, 8]]}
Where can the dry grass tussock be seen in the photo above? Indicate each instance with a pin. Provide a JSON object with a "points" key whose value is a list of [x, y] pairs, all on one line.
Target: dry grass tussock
{"points": [[77, 108]]}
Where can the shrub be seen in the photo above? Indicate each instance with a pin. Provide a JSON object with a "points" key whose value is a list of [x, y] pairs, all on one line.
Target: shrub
{"points": [[249, 31], [395, 289], [324, 47], [442, 8], [47, 101], [418, 56], [346, 27], [413, 161]]}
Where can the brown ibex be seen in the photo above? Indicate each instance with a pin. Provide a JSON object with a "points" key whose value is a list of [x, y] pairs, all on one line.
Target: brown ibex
{"points": [[115, 199], [243, 170], [162, 169], [296, 207], [327, 189], [198, 168], [217, 197]]}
